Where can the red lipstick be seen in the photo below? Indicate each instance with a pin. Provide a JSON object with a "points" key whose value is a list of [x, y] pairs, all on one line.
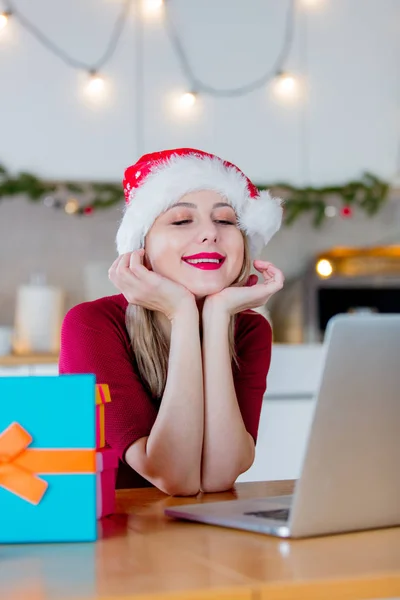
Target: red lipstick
{"points": [[207, 261]]}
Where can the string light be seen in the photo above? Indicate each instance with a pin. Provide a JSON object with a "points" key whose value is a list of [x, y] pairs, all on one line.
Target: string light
{"points": [[71, 206], [187, 100], [285, 86], [4, 18], [95, 85], [324, 268], [312, 3], [330, 211], [205, 88], [152, 8]]}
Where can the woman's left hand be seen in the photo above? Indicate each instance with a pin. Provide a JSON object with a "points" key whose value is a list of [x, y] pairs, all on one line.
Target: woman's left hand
{"points": [[252, 295]]}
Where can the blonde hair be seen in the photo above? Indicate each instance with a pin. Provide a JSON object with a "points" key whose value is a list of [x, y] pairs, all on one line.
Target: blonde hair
{"points": [[150, 344]]}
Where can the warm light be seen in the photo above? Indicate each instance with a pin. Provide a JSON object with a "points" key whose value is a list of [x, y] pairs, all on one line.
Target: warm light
{"points": [[187, 100], [152, 8], [324, 268], [71, 206], [4, 17], [330, 211], [312, 3], [285, 85], [95, 85]]}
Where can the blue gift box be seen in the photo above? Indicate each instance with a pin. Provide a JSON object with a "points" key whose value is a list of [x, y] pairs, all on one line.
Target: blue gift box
{"points": [[58, 498]]}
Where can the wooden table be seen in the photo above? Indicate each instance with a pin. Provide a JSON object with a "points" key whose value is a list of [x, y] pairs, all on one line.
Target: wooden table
{"points": [[143, 555]]}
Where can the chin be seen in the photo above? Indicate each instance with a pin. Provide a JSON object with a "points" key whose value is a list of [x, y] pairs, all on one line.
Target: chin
{"points": [[202, 291]]}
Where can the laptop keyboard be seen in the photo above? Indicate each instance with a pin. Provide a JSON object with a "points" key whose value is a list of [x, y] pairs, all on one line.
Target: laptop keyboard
{"points": [[281, 514]]}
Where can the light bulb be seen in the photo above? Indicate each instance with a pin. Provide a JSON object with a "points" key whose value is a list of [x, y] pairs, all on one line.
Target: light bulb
{"points": [[187, 100], [152, 8], [324, 268], [312, 3], [330, 211], [285, 86], [4, 17], [95, 85], [71, 206]]}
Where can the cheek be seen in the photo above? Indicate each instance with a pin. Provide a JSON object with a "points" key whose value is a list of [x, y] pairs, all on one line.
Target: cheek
{"points": [[235, 250], [162, 254]]}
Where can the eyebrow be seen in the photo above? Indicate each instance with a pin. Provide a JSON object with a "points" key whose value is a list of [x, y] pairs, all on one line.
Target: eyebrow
{"points": [[190, 205]]}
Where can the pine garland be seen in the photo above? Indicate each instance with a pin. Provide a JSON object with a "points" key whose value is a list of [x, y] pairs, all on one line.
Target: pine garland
{"points": [[368, 194]]}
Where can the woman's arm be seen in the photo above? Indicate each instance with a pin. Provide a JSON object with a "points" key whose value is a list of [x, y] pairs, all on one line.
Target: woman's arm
{"points": [[170, 457], [228, 448]]}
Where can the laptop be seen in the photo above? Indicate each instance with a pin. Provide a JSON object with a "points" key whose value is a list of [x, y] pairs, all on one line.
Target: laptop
{"points": [[350, 476]]}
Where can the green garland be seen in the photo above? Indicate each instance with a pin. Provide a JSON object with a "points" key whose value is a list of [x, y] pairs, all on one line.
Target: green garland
{"points": [[368, 194]]}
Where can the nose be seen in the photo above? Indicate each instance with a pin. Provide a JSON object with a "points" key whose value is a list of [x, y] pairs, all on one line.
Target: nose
{"points": [[208, 232]]}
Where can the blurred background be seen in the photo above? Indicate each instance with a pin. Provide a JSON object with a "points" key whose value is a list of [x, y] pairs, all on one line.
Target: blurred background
{"points": [[304, 96]]}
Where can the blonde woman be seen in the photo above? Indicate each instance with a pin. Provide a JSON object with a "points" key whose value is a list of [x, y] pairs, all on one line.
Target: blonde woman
{"points": [[184, 355]]}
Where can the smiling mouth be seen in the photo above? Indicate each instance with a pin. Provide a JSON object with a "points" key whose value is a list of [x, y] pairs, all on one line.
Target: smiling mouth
{"points": [[206, 264]]}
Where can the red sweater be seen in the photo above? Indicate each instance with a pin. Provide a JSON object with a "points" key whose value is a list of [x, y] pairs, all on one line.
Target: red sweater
{"points": [[94, 339]]}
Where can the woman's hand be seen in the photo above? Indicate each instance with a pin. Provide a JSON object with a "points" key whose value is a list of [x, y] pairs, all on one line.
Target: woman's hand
{"points": [[146, 288], [234, 299]]}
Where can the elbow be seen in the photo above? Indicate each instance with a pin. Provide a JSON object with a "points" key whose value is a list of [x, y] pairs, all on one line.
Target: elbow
{"points": [[214, 487], [178, 488], [213, 483]]}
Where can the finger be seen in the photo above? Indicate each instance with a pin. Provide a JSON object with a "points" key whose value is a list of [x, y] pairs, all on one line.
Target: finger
{"points": [[262, 265], [113, 269], [274, 276], [136, 258]]}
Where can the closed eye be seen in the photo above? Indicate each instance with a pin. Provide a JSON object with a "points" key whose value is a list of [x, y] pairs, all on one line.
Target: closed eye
{"points": [[220, 221]]}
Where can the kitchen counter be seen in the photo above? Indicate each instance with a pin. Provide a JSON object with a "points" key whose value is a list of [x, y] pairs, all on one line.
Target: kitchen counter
{"points": [[13, 360]]}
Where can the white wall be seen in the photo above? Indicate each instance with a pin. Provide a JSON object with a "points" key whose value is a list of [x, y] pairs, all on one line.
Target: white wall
{"points": [[350, 58], [353, 103]]}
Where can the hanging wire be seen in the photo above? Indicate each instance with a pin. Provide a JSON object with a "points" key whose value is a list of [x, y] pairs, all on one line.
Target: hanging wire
{"points": [[43, 39], [197, 85]]}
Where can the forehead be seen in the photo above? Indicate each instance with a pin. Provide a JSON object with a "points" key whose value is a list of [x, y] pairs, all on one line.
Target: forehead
{"points": [[202, 199]]}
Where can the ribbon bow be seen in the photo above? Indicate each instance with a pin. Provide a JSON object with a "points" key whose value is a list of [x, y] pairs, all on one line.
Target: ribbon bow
{"points": [[19, 465]]}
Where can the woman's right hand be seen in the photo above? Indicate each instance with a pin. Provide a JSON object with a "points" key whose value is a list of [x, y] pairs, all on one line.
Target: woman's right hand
{"points": [[146, 288]]}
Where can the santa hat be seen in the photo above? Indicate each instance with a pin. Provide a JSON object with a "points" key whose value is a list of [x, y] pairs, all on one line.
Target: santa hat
{"points": [[160, 179]]}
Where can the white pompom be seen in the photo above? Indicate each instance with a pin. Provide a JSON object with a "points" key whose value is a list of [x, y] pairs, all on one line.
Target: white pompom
{"points": [[261, 219]]}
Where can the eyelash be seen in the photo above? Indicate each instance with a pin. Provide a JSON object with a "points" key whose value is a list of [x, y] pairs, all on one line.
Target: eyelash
{"points": [[222, 221]]}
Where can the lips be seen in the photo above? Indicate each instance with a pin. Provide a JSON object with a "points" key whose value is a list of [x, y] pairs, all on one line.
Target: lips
{"points": [[207, 261]]}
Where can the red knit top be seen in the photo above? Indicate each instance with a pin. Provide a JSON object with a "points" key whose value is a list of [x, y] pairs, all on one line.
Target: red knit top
{"points": [[94, 339]]}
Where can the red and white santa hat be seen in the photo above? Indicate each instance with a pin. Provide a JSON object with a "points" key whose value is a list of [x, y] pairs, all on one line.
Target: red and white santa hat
{"points": [[160, 179]]}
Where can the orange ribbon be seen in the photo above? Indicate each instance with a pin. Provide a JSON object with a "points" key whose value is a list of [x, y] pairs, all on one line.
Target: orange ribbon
{"points": [[19, 466], [102, 397]]}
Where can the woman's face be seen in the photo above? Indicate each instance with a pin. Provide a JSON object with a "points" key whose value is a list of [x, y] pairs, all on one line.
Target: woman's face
{"points": [[197, 243]]}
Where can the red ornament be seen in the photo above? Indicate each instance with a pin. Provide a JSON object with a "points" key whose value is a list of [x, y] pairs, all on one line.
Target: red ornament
{"points": [[346, 212], [88, 210]]}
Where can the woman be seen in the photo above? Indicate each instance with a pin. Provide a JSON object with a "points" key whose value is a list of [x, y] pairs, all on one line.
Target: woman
{"points": [[185, 358]]}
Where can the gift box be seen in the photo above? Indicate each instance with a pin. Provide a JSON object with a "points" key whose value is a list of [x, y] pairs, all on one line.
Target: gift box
{"points": [[47, 459], [106, 468], [102, 397]]}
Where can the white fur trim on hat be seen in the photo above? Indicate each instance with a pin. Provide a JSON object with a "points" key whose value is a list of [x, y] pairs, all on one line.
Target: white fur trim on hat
{"points": [[259, 217]]}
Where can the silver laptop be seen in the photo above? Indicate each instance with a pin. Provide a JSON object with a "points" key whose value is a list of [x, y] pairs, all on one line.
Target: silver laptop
{"points": [[350, 477]]}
